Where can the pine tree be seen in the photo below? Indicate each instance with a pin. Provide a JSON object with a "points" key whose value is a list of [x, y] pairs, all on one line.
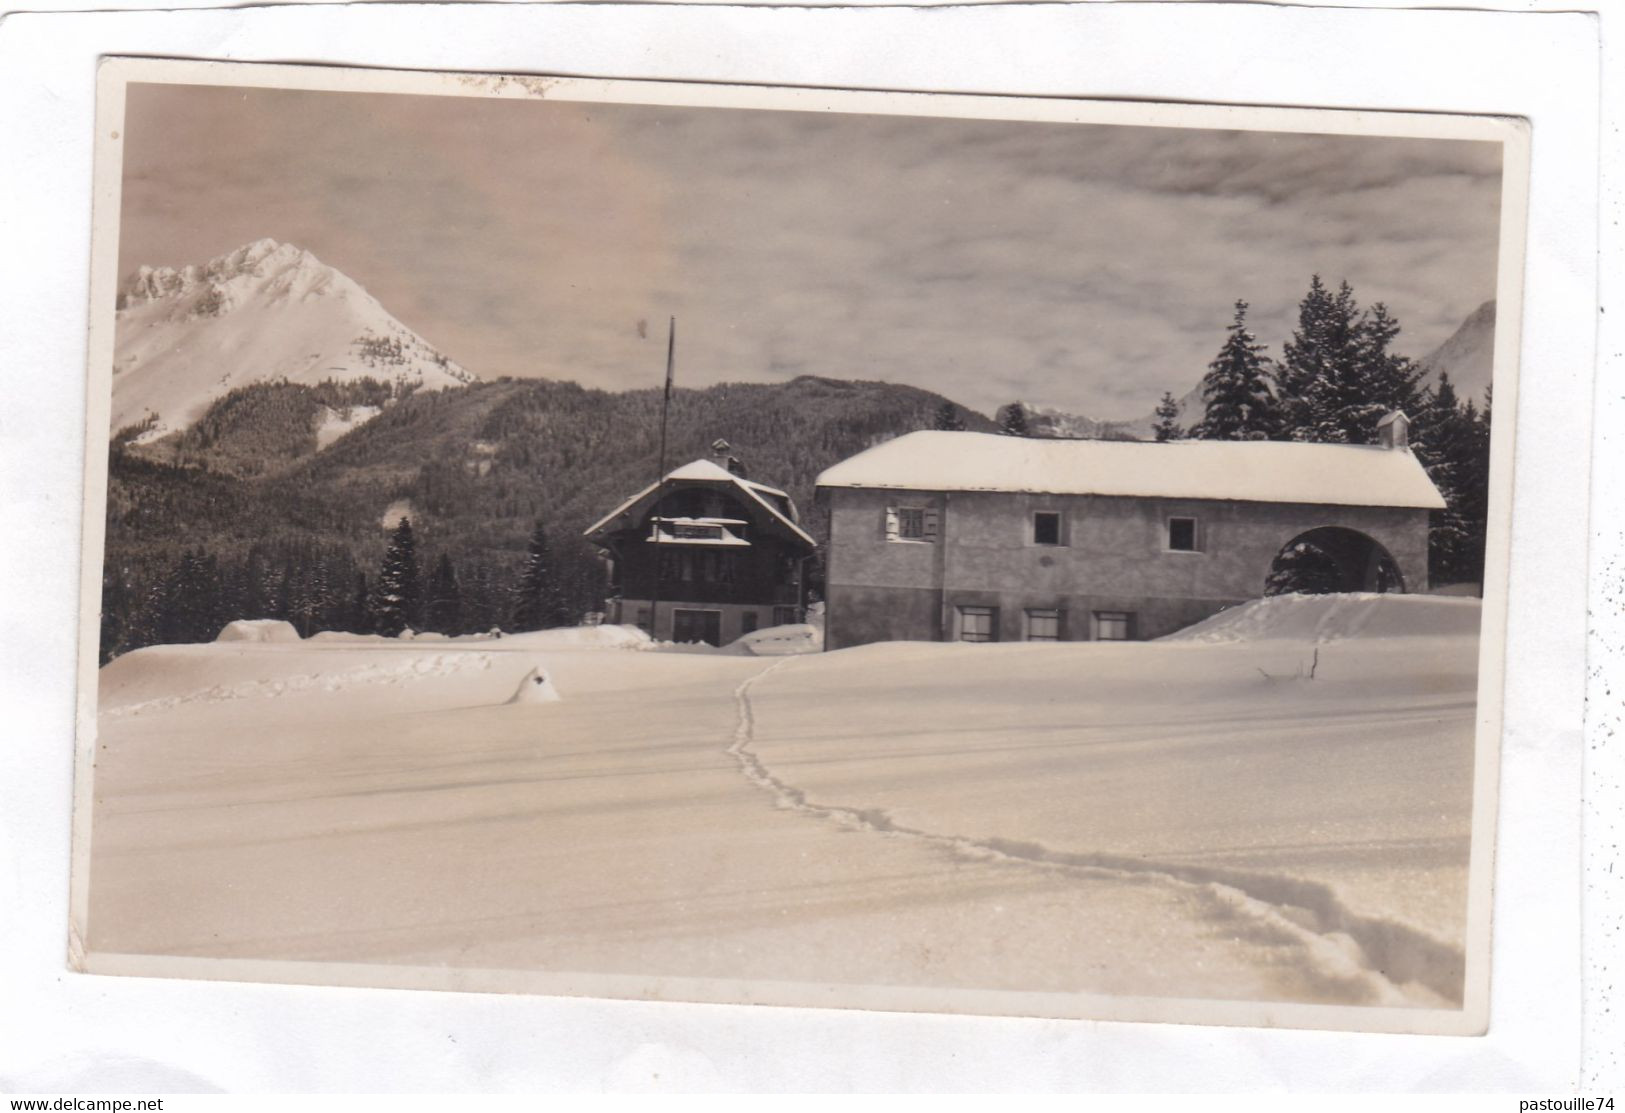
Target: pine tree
{"points": [[445, 611], [259, 590], [360, 616], [395, 599], [1167, 427], [184, 606], [1436, 438], [1385, 380], [1451, 438], [539, 602], [1338, 378], [480, 608], [1239, 406], [1317, 362], [116, 616], [1013, 420], [1474, 504], [1303, 568], [948, 419]]}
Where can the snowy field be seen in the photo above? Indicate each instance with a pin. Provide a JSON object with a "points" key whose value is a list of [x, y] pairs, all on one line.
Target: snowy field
{"points": [[1195, 817]]}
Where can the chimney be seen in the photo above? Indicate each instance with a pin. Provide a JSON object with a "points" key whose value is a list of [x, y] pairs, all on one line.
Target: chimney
{"points": [[722, 456], [1393, 431]]}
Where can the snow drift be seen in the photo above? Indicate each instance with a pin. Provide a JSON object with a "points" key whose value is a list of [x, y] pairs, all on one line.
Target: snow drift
{"points": [[783, 641], [258, 630], [535, 687], [1325, 618]]}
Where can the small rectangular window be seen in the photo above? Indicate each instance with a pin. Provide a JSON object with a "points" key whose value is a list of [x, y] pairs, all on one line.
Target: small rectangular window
{"points": [[977, 624], [1046, 527], [1043, 625], [1182, 535], [913, 523], [688, 531], [1113, 626]]}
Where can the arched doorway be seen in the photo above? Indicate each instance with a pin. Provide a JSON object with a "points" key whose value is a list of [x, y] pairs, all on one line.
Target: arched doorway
{"points": [[1332, 559]]}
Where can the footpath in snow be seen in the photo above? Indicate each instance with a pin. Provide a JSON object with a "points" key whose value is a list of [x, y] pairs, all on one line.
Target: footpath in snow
{"points": [[1184, 818]]}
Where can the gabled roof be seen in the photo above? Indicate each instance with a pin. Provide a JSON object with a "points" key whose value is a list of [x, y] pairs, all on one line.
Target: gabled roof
{"points": [[1244, 471], [706, 471]]}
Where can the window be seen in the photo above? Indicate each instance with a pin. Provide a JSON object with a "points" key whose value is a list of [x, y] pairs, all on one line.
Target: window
{"points": [[1046, 527], [911, 523], [1114, 626], [688, 531], [977, 624], [1043, 625], [1182, 535]]}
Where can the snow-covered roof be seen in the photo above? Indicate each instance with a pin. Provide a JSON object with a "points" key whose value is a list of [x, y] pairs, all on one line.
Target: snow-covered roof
{"points": [[1245, 471], [708, 471]]}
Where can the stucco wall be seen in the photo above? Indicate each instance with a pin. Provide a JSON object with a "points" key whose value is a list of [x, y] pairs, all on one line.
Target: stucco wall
{"points": [[1113, 557]]}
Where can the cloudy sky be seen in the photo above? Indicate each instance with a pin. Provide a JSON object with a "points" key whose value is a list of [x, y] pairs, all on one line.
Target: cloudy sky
{"points": [[1086, 267]]}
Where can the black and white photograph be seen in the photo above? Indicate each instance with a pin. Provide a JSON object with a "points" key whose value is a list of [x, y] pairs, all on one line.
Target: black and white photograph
{"points": [[1017, 556]]}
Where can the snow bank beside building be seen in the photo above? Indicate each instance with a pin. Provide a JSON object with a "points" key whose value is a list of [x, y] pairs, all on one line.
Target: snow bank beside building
{"points": [[583, 637], [1325, 618], [258, 630], [783, 641]]}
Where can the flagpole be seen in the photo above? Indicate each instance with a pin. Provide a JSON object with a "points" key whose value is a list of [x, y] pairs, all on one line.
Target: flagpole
{"points": [[660, 475]]}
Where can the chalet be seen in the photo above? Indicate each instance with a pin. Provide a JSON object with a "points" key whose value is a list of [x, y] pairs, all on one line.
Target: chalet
{"points": [[979, 537], [705, 555]]}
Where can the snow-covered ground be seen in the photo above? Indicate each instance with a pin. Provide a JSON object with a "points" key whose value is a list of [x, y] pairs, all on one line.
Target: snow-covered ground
{"points": [[1190, 818]]}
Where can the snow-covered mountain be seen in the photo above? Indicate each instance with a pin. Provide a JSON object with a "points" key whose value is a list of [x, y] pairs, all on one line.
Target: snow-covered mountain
{"points": [[267, 311], [1468, 356], [1048, 422]]}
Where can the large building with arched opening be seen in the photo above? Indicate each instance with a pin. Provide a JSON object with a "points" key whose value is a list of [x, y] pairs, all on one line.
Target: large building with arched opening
{"points": [[963, 536]]}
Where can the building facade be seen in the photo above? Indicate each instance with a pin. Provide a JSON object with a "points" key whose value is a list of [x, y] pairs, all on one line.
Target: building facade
{"points": [[977, 537], [705, 555]]}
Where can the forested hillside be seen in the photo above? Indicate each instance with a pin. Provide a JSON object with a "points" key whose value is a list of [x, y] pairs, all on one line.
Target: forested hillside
{"points": [[242, 516]]}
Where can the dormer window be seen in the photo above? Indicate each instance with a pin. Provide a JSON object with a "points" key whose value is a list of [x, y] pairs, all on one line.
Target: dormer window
{"points": [[691, 531]]}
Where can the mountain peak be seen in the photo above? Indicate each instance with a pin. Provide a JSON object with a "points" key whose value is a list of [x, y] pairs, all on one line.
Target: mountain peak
{"points": [[263, 268], [264, 311], [1468, 356]]}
